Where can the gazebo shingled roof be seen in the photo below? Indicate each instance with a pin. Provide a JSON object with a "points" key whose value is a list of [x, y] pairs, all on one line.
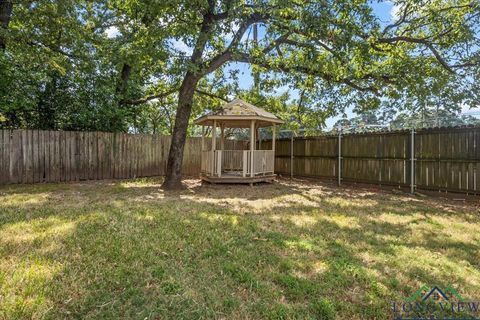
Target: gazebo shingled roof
{"points": [[220, 165], [239, 114]]}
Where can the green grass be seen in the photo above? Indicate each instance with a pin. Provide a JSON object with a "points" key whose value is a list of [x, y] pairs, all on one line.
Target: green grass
{"points": [[290, 250]]}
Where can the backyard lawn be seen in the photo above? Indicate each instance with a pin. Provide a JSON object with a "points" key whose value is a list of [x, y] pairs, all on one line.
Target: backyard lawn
{"points": [[297, 249]]}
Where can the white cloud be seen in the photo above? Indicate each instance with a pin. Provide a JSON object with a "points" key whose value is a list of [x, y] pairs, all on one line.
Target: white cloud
{"points": [[112, 32]]}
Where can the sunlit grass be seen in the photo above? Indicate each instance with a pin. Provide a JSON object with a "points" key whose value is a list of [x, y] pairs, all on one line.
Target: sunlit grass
{"points": [[289, 250]]}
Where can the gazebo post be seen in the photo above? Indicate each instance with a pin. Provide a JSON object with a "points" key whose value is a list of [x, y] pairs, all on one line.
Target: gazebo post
{"points": [[222, 139], [214, 142], [273, 140], [259, 138], [252, 146], [220, 153], [203, 138], [214, 135]]}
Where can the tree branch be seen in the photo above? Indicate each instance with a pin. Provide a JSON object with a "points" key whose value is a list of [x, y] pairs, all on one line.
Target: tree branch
{"points": [[217, 61], [211, 95], [245, 58], [440, 58], [423, 41], [152, 97], [53, 49], [399, 21]]}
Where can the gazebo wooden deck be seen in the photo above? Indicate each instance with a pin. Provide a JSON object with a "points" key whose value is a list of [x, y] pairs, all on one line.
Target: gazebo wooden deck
{"points": [[237, 166]]}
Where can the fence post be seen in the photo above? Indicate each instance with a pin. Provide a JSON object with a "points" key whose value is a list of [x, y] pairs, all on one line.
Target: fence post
{"points": [[291, 156], [412, 161], [340, 158]]}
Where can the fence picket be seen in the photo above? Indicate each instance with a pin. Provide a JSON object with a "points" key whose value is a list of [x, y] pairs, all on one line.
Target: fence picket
{"points": [[447, 158]]}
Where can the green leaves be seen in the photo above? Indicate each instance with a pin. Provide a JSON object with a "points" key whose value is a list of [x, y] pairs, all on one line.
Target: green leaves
{"points": [[336, 54]]}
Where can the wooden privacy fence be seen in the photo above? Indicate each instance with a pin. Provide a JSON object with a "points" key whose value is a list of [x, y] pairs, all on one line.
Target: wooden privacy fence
{"points": [[31, 156], [442, 159]]}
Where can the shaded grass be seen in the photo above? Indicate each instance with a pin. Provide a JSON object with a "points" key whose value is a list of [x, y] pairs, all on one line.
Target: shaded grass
{"points": [[290, 250]]}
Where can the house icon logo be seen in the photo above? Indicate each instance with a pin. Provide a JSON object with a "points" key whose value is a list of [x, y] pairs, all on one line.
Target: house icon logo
{"points": [[436, 294]]}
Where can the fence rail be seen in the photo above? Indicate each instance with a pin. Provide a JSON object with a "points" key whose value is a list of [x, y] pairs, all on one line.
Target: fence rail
{"points": [[443, 158], [32, 156]]}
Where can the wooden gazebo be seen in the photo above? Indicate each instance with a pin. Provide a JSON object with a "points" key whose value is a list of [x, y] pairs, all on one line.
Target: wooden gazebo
{"points": [[238, 166]]}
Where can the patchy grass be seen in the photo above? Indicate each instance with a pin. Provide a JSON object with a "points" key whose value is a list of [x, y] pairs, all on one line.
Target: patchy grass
{"points": [[290, 250]]}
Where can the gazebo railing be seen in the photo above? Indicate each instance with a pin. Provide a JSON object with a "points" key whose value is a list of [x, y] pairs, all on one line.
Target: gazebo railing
{"points": [[232, 160], [208, 165], [263, 162], [218, 162]]}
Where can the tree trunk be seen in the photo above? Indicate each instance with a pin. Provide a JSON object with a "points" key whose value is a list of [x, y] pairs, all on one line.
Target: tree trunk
{"points": [[122, 83], [6, 7], [173, 177], [46, 107]]}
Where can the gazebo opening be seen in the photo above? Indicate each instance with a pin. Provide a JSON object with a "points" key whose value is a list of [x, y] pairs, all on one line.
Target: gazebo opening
{"points": [[220, 165]]}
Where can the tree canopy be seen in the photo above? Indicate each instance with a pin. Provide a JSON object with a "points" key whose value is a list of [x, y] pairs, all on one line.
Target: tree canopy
{"points": [[151, 66]]}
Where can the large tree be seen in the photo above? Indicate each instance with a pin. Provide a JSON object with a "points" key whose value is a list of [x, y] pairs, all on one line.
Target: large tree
{"points": [[61, 69], [98, 64], [341, 44]]}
